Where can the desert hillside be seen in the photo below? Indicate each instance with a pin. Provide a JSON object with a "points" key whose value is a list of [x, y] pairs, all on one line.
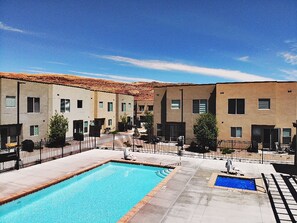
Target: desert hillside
{"points": [[140, 90]]}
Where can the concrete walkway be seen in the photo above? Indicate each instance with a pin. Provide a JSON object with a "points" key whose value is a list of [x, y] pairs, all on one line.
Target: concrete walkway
{"points": [[185, 198]]}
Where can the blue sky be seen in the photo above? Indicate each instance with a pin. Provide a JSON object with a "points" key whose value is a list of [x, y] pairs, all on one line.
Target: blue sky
{"points": [[169, 41]]}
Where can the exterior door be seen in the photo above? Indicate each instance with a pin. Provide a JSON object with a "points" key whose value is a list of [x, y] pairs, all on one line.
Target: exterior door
{"points": [[3, 138], [270, 136], [174, 130], [78, 126]]}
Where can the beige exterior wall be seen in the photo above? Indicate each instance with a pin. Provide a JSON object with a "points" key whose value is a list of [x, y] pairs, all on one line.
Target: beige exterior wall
{"points": [[85, 113], [129, 101], [103, 112], [185, 113], [281, 114], [159, 94], [145, 104], [8, 115], [50, 96]]}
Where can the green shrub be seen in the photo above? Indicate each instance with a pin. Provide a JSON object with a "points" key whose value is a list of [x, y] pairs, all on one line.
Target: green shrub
{"points": [[227, 151]]}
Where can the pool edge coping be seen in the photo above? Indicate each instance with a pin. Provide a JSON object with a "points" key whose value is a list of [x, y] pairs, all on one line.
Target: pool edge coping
{"points": [[50, 183], [260, 189], [135, 209], [124, 218]]}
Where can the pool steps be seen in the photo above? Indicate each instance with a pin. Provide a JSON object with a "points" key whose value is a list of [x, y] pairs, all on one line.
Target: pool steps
{"points": [[163, 173]]}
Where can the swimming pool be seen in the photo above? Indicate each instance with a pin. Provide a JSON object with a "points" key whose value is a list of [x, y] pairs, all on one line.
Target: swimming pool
{"points": [[103, 194], [236, 182]]}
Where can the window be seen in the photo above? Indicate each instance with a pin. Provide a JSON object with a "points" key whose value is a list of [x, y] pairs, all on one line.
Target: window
{"points": [[100, 104], [109, 106], [10, 101], [150, 107], [86, 126], [286, 135], [109, 122], [236, 132], [200, 106], [65, 105], [129, 105], [34, 130], [235, 106], [264, 103], [79, 103], [123, 107], [175, 104], [33, 105], [141, 107], [159, 130]]}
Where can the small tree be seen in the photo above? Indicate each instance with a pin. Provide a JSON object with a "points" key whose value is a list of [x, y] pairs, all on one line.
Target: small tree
{"points": [[148, 125], [122, 125], [58, 127], [113, 137], [206, 130]]}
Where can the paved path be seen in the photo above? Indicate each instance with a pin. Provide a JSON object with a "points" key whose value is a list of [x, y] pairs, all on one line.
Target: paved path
{"points": [[186, 197]]}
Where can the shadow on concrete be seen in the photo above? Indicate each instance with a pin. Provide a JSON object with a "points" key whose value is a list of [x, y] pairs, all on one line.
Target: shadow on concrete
{"points": [[285, 168]]}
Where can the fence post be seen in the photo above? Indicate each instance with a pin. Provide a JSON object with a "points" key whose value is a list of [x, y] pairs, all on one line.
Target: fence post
{"points": [[62, 151], [80, 146], [40, 151]]}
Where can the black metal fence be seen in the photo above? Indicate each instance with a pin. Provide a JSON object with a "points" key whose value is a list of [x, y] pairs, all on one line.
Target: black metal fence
{"points": [[227, 149], [41, 153]]}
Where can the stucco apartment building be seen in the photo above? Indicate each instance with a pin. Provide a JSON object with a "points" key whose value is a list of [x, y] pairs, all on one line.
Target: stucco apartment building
{"points": [[38, 102], [248, 111], [140, 108]]}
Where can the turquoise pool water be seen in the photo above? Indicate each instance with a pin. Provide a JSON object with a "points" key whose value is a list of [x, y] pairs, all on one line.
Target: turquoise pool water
{"points": [[103, 194]]}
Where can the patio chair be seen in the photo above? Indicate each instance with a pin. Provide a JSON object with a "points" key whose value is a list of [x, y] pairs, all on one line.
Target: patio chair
{"points": [[128, 155], [278, 148]]}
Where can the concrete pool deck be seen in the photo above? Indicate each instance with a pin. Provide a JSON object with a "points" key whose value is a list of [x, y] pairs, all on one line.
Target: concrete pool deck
{"points": [[186, 197]]}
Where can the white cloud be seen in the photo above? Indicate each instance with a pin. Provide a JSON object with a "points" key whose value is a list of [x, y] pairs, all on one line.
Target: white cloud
{"points": [[291, 74], [39, 71], [243, 59], [169, 66], [37, 68], [11, 29], [114, 77], [58, 63], [289, 57], [292, 44]]}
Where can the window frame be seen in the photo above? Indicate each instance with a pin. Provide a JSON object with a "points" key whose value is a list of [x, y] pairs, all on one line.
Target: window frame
{"points": [[35, 129], [79, 103], [85, 127], [66, 109], [8, 97], [34, 106], [141, 108], [194, 111], [264, 99], [109, 122], [234, 108], [235, 130], [150, 106], [110, 106], [123, 107], [175, 104], [284, 137]]}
